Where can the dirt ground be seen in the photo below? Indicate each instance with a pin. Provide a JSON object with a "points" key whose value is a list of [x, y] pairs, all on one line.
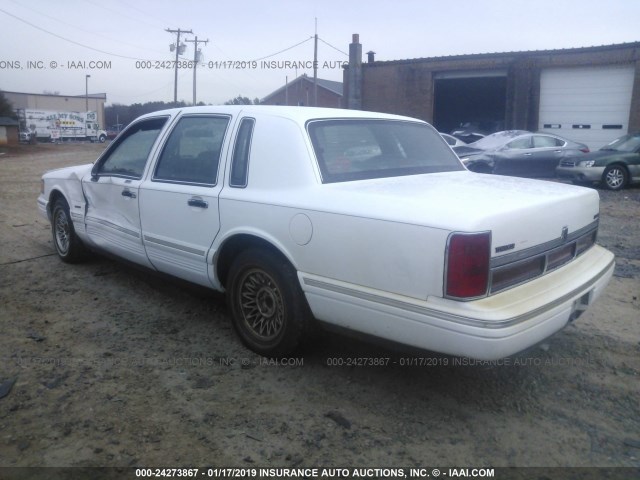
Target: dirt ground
{"points": [[107, 365]]}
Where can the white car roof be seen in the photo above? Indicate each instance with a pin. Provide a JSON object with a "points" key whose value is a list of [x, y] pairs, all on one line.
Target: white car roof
{"points": [[298, 114]]}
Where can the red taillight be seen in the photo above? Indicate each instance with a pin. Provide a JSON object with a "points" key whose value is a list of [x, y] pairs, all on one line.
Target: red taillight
{"points": [[585, 150], [468, 264]]}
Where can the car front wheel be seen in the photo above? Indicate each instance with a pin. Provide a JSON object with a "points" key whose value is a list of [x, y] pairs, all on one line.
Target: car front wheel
{"points": [[68, 246], [269, 311], [615, 177]]}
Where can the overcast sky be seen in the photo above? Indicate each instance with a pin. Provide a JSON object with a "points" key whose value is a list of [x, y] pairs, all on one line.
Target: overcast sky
{"points": [[43, 44]]}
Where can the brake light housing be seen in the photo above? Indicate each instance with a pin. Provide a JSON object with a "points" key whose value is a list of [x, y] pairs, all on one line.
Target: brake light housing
{"points": [[467, 268]]}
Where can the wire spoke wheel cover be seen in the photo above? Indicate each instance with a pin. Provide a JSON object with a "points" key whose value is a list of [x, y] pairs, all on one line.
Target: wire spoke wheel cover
{"points": [[261, 304], [68, 246], [268, 309], [62, 231]]}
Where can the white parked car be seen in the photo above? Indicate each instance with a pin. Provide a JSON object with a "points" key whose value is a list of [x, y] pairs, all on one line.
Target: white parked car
{"points": [[452, 141], [363, 220]]}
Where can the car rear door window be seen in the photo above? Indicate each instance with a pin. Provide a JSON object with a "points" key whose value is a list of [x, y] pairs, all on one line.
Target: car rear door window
{"points": [[192, 152]]}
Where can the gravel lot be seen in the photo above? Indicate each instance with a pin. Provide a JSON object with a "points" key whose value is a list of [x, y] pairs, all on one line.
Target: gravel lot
{"points": [[107, 365]]}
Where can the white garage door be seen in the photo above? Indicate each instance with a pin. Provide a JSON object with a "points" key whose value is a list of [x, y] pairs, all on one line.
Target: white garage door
{"points": [[588, 105]]}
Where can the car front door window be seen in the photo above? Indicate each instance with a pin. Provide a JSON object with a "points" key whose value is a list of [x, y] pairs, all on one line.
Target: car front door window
{"points": [[542, 141], [520, 144], [129, 156]]}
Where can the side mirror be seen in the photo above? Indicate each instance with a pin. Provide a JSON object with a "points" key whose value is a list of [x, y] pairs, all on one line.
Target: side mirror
{"points": [[94, 173]]}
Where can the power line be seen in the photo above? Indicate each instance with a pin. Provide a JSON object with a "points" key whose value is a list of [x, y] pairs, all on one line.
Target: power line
{"points": [[282, 51], [136, 58], [166, 87], [66, 39], [335, 48], [147, 14], [120, 13], [80, 28]]}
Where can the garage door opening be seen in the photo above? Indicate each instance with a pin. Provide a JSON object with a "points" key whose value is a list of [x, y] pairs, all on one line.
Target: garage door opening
{"points": [[476, 100]]}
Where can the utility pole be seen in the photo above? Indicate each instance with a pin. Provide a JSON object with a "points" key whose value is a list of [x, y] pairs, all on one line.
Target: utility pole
{"points": [[315, 67], [86, 92], [196, 59], [179, 51]]}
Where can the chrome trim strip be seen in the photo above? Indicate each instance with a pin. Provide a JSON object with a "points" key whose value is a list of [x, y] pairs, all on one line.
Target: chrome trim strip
{"points": [[165, 243], [180, 182], [106, 223], [571, 240], [493, 272], [459, 319], [543, 247]]}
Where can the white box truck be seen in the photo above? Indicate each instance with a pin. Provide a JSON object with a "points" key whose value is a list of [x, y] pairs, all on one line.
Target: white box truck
{"points": [[55, 126]]}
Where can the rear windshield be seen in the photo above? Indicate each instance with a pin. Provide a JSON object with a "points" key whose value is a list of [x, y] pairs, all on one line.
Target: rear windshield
{"points": [[357, 149]]}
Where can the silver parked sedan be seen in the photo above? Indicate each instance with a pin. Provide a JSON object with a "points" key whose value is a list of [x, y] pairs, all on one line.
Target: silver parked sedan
{"points": [[519, 153]]}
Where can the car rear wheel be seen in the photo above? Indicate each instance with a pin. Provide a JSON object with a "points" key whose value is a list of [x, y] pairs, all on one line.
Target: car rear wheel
{"points": [[268, 309], [68, 246], [615, 177]]}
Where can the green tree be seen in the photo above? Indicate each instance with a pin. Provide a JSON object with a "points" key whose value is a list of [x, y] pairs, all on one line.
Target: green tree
{"points": [[125, 114], [6, 109], [240, 100]]}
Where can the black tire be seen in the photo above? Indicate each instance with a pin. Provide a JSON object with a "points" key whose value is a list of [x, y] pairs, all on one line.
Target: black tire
{"points": [[615, 177], [67, 244], [102, 139], [268, 309]]}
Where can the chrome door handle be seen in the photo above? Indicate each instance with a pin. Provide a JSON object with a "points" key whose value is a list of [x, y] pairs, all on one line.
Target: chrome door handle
{"points": [[196, 202]]}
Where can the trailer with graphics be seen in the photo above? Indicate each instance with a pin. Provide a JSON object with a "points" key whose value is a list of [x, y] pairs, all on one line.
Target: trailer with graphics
{"points": [[48, 125]]}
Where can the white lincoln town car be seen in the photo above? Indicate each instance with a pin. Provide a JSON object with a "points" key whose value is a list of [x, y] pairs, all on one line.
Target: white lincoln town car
{"points": [[362, 220]]}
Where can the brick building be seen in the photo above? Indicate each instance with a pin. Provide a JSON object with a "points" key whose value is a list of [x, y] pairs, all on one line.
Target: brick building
{"points": [[301, 92], [588, 94]]}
